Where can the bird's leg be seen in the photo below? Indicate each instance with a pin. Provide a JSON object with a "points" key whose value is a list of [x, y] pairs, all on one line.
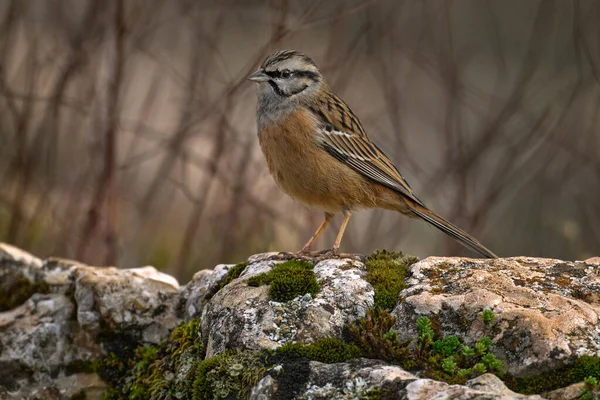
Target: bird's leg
{"points": [[338, 239], [314, 237]]}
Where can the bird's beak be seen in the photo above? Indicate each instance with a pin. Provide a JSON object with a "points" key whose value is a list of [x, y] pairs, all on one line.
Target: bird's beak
{"points": [[258, 76]]}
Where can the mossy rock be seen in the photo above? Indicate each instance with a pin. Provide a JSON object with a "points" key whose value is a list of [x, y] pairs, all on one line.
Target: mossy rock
{"points": [[328, 350], [387, 272], [376, 339], [233, 273], [165, 371], [229, 375], [288, 280]]}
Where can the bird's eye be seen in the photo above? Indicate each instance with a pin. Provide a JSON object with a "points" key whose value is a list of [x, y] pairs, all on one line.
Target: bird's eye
{"points": [[286, 73]]}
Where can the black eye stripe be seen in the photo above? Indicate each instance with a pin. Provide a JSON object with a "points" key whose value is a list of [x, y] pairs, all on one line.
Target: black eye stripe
{"points": [[301, 74], [274, 74]]}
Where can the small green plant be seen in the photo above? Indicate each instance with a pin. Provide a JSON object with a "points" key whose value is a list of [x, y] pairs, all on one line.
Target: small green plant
{"points": [[492, 363], [448, 359], [426, 334], [591, 389], [479, 368], [467, 351], [444, 358], [386, 271], [488, 316], [446, 346], [288, 280], [449, 365], [483, 345]]}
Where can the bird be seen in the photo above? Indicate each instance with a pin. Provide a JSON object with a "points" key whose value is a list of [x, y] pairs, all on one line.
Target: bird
{"points": [[318, 152]]}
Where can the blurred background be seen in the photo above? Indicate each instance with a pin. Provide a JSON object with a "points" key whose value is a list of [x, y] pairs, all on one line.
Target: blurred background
{"points": [[128, 137]]}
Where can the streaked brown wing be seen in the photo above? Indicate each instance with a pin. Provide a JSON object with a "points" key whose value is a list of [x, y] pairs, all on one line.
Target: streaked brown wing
{"points": [[341, 135]]}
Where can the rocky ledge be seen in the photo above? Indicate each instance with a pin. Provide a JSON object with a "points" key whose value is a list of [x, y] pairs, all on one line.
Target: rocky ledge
{"points": [[385, 326]]}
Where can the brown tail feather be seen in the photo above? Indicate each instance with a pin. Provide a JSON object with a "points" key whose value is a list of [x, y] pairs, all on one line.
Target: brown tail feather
{"points": [[453, 231]]}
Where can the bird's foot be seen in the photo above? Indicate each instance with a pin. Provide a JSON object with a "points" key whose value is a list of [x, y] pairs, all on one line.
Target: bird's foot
{"points": [[304, 251], [315, 255], [308, 254]]}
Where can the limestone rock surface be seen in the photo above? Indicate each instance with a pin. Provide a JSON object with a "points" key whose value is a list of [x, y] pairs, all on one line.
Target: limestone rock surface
{"points": [[61, 317], [546, 311], [361, 378], [243, 316]]}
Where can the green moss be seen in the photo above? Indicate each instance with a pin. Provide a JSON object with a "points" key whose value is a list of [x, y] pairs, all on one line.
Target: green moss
{"points": [[386, 271], [19, 291], [328, 350], [185, 339], [112, 369], [233, 273], [201, 387], [143, 372], [230, 374], [288, 280], [150, 372], [578, 371], [375, 337]]}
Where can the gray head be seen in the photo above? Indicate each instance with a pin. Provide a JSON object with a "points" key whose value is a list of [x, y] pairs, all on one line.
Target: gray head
{"points": [[285, 80]]}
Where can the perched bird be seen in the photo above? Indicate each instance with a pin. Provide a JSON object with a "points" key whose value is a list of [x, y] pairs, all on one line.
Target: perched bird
{"points": [[319, 153]]}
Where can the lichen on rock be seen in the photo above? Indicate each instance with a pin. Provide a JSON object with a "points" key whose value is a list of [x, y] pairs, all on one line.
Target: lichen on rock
{"points": [[542, 319], [245, 316], [384, 326]]}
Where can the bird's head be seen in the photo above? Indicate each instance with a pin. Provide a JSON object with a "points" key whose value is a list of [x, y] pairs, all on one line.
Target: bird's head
{"points": [[287, 75]]}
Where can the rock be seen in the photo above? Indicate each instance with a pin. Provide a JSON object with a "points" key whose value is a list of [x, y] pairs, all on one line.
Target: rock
{"points": [[140, 302], [242, 316], [363, 377], [64, 324], [15, 255], [264, 389], [546, 311], [424, 389], [40, 346], [490, 383], [49, 341], [203, 283], [571, 392], [593, 260]]}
